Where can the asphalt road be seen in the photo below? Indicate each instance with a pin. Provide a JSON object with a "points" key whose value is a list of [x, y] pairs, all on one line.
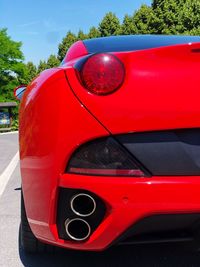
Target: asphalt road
{"points": [[11, 254]]}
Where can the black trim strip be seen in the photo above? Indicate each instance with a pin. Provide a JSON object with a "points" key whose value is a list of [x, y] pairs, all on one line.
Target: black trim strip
{"points": [[166, 153], [136, 42]]}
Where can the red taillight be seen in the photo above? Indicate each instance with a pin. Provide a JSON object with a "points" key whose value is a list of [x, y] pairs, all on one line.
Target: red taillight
{"points": [[102, 74], [104, 157], [107, 172]]}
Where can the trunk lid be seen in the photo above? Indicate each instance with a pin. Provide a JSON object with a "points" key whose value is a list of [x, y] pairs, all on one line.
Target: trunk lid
{"points": [[161, 91]]}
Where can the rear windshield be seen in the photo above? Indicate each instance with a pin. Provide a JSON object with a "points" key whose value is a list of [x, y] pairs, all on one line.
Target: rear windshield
{"points": [[136, 42]]}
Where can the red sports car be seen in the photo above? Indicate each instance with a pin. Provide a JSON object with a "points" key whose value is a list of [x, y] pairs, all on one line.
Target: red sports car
{"points": [[110, 145]]}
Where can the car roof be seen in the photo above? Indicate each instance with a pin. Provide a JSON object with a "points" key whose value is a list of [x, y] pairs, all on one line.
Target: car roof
{"points": [[135, 42]]}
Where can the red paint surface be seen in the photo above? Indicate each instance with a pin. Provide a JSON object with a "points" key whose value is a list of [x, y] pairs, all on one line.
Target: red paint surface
{"points": [[161, 91], [77, 50]]}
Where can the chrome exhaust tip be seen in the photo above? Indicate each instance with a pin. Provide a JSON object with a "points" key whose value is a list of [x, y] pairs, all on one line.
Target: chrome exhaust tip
{"points": [[83, 205], [77, 229]]}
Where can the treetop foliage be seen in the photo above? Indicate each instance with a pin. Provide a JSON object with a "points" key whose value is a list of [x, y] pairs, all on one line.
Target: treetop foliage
{"points": [[10, 56], [11, 66], [110, 25]]}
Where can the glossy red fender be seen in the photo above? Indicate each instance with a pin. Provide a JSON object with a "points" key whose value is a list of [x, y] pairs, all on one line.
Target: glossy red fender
{"points": [[53, 123]]}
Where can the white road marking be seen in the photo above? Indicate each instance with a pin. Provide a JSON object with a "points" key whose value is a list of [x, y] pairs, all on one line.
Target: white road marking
{"points": [[5, 176], [14, 132]]}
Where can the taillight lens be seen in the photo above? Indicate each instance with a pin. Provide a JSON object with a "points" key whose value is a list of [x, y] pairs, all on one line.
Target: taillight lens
{"points": [[102, 73], [104, 157]]}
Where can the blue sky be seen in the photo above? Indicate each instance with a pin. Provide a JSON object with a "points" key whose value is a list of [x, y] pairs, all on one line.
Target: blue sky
{"points": [[41, 24]]}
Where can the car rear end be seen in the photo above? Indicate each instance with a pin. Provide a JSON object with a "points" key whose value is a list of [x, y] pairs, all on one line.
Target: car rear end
{"points": [[110, 145]]}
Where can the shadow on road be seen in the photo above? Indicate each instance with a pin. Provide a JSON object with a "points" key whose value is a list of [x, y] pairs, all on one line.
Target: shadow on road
{"points": [[143, 255]]}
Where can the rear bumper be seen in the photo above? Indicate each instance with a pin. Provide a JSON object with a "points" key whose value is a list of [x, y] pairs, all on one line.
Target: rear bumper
{"points": [[128, 200], [45, 151]]}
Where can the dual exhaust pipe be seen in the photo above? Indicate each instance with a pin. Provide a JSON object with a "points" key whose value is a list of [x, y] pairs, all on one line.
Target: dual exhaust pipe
{"points": [[83, 205]]}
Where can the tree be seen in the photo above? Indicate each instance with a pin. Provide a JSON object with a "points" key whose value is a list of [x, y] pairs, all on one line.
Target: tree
{"points": [[42, 66], [94, 33], [177, 16], [11, 55], [30, 72], [128, 25], [144, 20], [110, 25], [11, 66], [165, 17], [52, 62], [67, 41], [81, 35]]}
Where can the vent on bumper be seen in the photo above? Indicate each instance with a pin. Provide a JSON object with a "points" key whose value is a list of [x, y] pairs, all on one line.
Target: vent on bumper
{"points": [[166, 153], [66, 212], [162, 228]]}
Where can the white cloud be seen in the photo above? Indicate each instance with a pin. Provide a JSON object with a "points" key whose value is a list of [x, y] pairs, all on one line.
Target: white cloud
{"points": [[31, 23], [30, 32]]}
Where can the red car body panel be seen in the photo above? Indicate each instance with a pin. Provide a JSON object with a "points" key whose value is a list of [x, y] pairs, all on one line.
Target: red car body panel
{"points": [[44, 150], [75, 51], [160, 91], [57, 115], [130, 200]]}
